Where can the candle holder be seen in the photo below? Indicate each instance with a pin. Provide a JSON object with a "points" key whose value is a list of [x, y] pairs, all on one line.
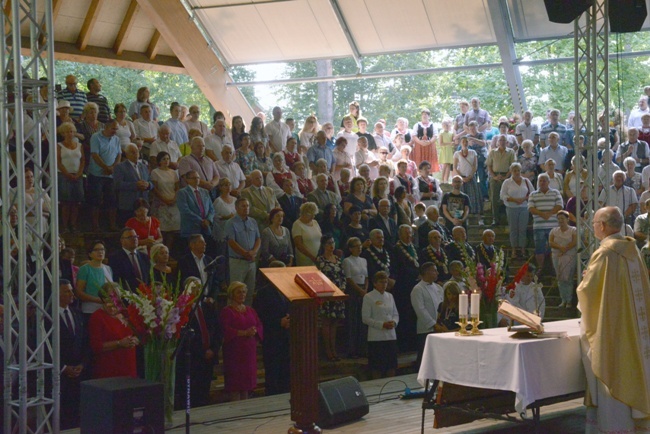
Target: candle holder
{"points": [[463, 327], [475, 322]]}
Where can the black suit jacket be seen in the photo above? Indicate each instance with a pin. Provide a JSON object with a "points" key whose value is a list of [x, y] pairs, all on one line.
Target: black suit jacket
{"points": [[426, 227], [187, 268], [291, 207], [390, 238], [122, 268], [74, 347]]}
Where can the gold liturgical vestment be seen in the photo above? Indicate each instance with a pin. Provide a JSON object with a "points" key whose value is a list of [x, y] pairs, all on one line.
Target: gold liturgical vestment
{"points": [[614, 298]]}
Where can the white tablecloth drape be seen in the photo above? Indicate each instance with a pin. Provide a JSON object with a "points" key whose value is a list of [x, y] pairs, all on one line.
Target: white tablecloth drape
{"points": [[534, 369]]}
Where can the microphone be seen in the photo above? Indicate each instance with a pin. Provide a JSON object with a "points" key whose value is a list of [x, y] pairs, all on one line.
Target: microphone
{"points": [[215, 264]]}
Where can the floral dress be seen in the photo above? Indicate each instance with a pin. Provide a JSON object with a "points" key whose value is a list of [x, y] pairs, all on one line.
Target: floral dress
{"points": [[334, 271], [246, 160]]}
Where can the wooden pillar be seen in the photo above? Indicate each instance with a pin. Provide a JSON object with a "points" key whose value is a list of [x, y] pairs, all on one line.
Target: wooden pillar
{"points": [[304, 366]]}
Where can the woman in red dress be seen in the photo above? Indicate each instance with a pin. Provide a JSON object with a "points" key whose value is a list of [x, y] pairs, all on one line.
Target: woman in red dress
{"points": [[146, 227], [111, 340], [242, 329]]}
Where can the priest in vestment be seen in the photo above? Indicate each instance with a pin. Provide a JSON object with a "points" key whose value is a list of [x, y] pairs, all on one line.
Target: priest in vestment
{"points": [[614, 298]]}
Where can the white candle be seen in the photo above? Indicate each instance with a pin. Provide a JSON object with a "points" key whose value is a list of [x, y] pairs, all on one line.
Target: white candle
{"points": [[462, 305], [476, 303]]}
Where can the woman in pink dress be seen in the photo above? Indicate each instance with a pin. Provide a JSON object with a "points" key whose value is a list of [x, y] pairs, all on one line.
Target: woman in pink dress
{"points": [[242, 329]]}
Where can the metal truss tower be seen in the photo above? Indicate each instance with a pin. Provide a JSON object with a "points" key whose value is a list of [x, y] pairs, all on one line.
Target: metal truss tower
{"points": [[591, 40], [30, 243]]}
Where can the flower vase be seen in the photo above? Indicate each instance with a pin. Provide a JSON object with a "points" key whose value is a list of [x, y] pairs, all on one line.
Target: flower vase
{"points": [[489, 314], [159, 367]]}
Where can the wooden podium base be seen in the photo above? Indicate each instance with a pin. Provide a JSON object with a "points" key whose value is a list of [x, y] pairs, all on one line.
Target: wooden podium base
{"points": [[304, 345]]}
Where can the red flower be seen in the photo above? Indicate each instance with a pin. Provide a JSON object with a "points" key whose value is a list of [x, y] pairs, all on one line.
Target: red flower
{"points": [[520, 274], [136, 320]]}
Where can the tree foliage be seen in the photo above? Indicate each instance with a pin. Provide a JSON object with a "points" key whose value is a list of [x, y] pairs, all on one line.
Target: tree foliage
{"points": [[545, 86], [121, 85]]}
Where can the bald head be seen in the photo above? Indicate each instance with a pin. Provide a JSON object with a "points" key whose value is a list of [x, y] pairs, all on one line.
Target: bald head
{"points": [[608, 221]]}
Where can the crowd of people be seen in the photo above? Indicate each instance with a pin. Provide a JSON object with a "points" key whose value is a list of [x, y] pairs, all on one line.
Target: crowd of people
{"points": [[365, 205]]}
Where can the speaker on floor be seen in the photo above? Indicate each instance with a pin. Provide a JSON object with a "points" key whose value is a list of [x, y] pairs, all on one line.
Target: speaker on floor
{"points": [[566, 11], [122, 405], [627, 15], [341, 401]]}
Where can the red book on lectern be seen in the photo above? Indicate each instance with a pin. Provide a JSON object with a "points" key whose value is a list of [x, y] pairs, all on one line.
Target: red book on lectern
{"points": [[314, 285]]}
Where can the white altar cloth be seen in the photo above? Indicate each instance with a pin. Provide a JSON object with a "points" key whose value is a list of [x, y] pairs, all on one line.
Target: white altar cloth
{"points": [[534, 368]]}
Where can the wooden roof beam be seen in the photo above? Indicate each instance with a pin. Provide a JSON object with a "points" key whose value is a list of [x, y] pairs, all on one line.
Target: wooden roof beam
{"points": [[171, 19], [89, 24], [106, 56], [154, 45], [125, 28]]}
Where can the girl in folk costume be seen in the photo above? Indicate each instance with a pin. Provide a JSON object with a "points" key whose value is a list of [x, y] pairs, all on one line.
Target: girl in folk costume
{"points": [[305, 184], [446, 150], [407, 181], [291, 154], [429, 187], [424, 141], [280, 172], [401, 128]]}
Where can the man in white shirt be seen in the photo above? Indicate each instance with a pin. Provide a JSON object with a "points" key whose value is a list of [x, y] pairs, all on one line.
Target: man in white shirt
{"points": [[164, 143], [229, 169], [277, 131], [146, 129], [620, 196], [426, 296], [214, 143], [635, 148], [635, 114], [527, 130]]}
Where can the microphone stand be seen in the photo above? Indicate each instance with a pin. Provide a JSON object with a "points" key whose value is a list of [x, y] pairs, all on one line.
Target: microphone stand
{"points": [[186, 339]]}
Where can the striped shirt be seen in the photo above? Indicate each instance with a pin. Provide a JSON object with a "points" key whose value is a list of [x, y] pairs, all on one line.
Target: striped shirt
{"points": [[545, 202]]}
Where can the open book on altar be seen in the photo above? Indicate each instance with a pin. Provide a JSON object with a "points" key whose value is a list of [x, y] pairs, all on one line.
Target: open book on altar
{"points": [[534, 322]]}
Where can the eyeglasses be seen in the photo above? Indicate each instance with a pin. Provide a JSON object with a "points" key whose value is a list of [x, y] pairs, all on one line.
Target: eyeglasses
{"points": [[101, 249]]}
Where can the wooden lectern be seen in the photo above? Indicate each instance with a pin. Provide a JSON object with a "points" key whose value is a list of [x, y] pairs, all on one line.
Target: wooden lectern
{"points": [[304, 345]]}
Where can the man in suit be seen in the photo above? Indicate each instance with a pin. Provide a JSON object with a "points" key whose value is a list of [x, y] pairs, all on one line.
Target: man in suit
{"points": [[384, 222], [431, 224], [74, 353], [131, 178], [195, 208], [290, 204], [204, 347], [193, 265], [262, 199], [130, 267], [322, 196]]}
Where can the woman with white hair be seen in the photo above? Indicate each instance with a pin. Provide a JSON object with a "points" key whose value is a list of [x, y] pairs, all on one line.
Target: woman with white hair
{"points": [[87, 126], [401, 127], [306, 235], [632, 178]]}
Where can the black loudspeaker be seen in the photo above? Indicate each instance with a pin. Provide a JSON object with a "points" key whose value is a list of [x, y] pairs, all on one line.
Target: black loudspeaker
{"points": [[341, 401], [566, 11], [627, 15], [122, 405]]}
